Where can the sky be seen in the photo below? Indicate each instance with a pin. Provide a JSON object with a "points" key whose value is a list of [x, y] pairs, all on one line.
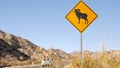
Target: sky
{"points": [[43, 22]]}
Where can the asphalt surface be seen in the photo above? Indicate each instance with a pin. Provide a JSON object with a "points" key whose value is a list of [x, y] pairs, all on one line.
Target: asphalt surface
{"points": [[32, 66]]}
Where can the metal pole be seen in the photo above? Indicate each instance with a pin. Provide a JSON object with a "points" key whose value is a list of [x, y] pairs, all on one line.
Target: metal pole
{"points": [[81, 53], [81, 50]]}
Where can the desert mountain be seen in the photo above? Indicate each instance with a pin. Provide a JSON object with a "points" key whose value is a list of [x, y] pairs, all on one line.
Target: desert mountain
{"points": [[14, 48]]}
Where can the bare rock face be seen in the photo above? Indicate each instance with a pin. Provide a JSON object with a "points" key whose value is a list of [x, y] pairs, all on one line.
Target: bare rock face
{"points": [[8, 36], [21, 58]]}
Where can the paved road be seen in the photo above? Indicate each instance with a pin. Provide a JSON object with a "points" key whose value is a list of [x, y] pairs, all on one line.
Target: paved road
{"points": [[32, 66]]}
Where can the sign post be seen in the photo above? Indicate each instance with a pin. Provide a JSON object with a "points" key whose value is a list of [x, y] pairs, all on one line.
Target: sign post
{"points": [[81, 16], [81, 48]]}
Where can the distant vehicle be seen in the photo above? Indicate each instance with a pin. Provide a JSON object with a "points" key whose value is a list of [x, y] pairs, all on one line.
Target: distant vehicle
{"points": [[47, 62]]}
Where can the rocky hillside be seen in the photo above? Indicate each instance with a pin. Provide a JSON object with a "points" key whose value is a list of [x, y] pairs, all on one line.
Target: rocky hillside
{"points": [[14, 48], [17, 48]]}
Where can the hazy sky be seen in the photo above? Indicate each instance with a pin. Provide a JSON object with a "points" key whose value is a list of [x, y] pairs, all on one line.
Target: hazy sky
{"points": [[43, 22]]}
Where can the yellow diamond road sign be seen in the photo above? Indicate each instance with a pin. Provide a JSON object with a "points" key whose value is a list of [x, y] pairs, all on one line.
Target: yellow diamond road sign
{"points": [[81, 16]]}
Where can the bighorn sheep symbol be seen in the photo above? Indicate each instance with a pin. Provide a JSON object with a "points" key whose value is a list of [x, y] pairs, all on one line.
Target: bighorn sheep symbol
{"points": [[81, 16]]}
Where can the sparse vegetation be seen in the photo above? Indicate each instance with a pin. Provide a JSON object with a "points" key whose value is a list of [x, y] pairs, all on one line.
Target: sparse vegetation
{"points": [[18, 63], [104, 61], [75, 62]]}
